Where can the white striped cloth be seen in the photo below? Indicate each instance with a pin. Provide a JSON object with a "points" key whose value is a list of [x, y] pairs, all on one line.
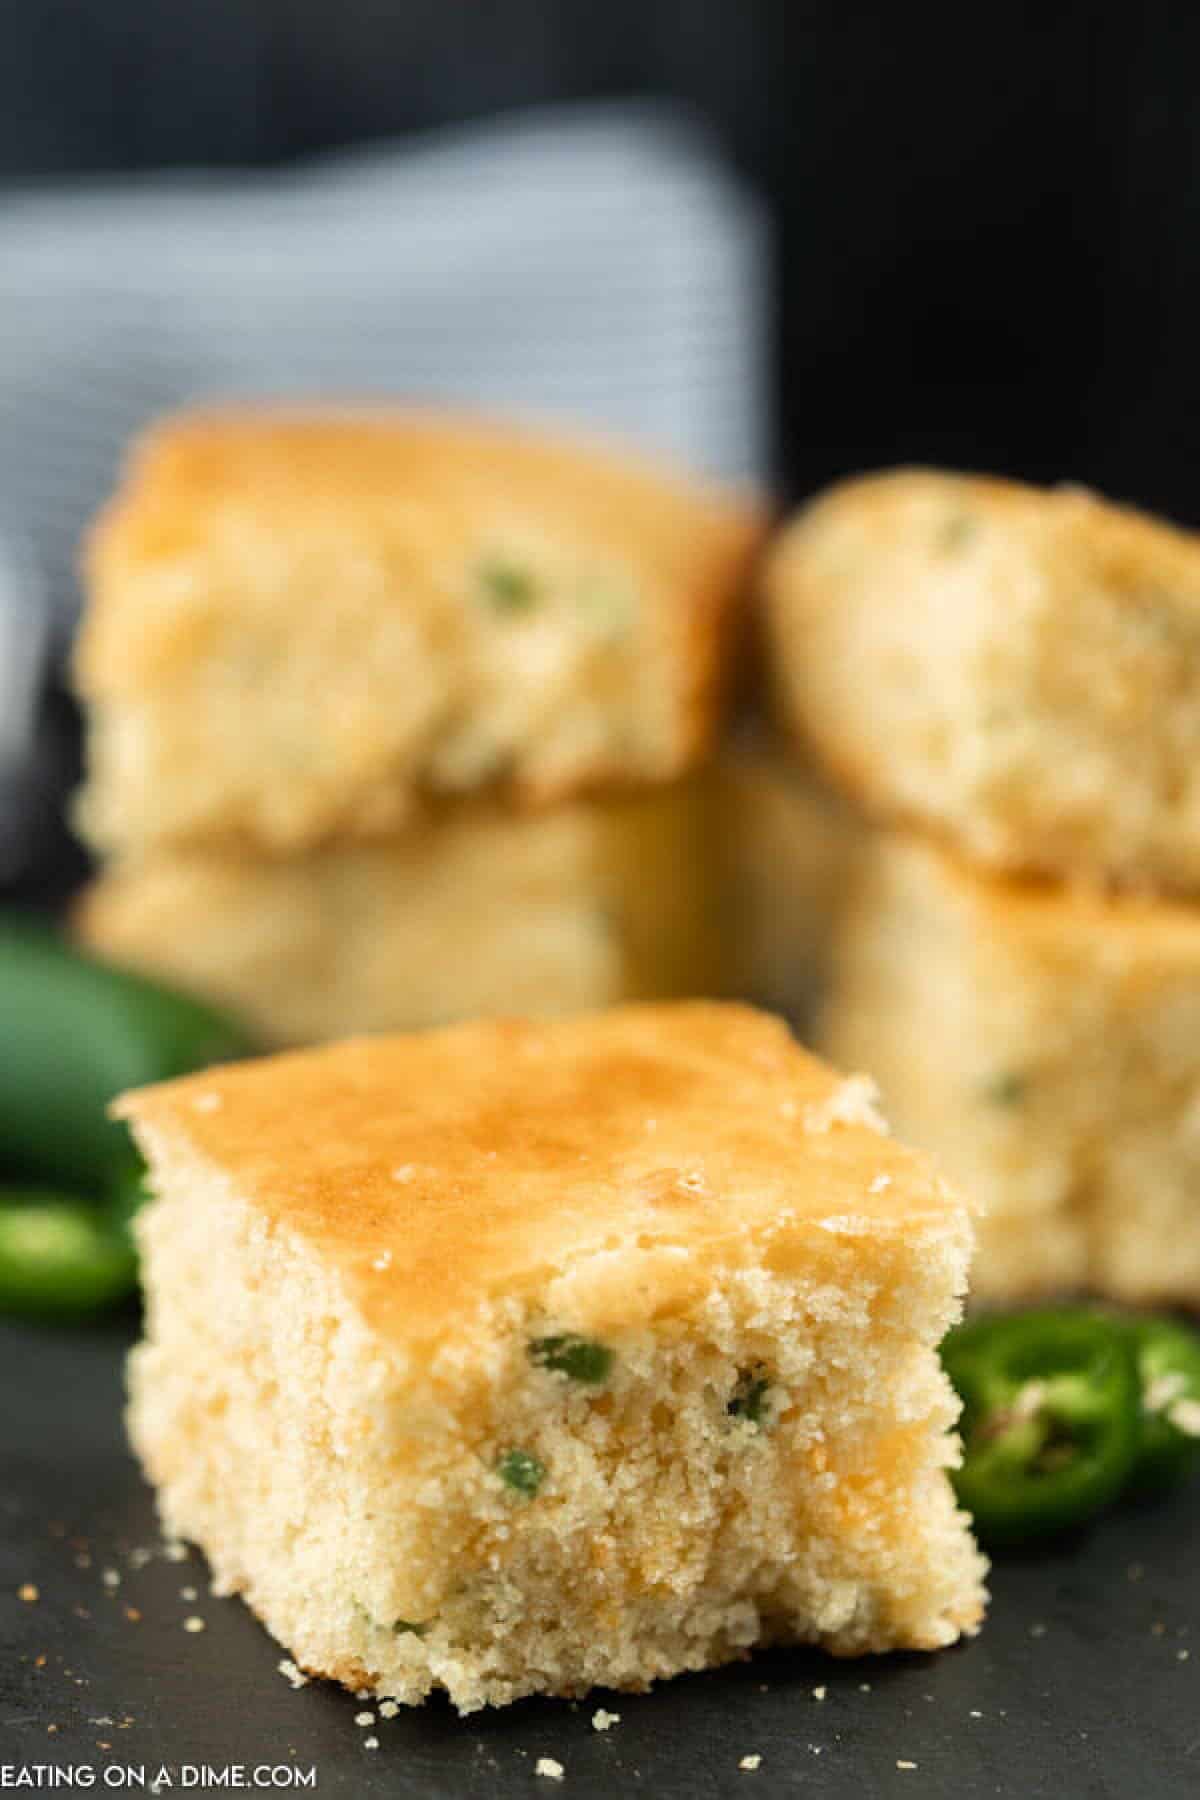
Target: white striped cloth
{"points": [[598, 264]]}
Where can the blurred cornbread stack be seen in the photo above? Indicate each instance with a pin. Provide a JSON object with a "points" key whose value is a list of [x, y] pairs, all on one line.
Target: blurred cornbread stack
{"points": [[395, 718], [788, 844], [1006, 681]]}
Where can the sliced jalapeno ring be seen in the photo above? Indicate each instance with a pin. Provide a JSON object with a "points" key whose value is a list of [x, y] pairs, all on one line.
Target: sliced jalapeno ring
{"points": [[1051, 1420], [1168, 1364], [59, 1256]]}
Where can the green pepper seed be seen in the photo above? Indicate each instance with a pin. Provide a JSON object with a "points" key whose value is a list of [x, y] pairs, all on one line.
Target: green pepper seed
{"points": [[580, 1358], [748, 1397], [957, 532], [60, 1257], [506, 585], [522, 1472], [1009, 1088]]}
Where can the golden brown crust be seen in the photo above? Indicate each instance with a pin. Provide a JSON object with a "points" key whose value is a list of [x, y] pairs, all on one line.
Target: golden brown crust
{"points": [[245, 519], [1071, 525], [442, 1172]]}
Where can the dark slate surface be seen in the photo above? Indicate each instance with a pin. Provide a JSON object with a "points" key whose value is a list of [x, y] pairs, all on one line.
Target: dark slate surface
{"points": [[1085, 1682]]}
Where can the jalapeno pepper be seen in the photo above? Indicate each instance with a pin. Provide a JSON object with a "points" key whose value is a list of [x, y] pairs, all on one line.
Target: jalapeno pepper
{"points": [[1051, 1420], [1168, 1364], [59, 1256], [74, 1033], [126, 1197]]}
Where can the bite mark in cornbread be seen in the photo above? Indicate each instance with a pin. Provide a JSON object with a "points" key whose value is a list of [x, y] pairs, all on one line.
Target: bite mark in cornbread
{"points": [[302, 625], [1017, 669], [513, 1358], [1044, 1043]]}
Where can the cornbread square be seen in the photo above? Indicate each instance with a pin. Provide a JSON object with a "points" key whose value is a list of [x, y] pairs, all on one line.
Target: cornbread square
{"points": [[477, 912], [1016, 669], [299, 626], [513, 1358], [1045, 1044], [788, 848]]}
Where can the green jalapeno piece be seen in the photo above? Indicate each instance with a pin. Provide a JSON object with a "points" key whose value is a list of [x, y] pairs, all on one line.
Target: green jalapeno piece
{"points": [[1168, 1364], [1051, 1420], [127, 1194], [73, 1034], [522, 1472], [59, 1256], [580, 1358]]}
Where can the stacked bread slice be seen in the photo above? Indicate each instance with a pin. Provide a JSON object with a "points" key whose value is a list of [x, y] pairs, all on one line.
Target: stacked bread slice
{"points": [[1006, 681], [396, 718]]}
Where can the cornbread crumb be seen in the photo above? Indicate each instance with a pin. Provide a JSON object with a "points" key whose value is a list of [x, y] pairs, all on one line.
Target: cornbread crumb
{"points": [[549, 1768], [750, 1762], [624, 1405], [854, 1102], [110, 1577], [371, 1743], [188, 1593], [193, 1624], [388, 1709], [604, 1721], [901, 1763], [175, 1551], [364, 1718], [28, 1592], [819, 1693], [292, 1672]]}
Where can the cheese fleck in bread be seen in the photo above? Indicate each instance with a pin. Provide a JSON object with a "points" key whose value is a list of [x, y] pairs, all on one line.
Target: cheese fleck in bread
{"points": [[1045, 1044], [299, 626], [1017, 670], [516, 1358]]}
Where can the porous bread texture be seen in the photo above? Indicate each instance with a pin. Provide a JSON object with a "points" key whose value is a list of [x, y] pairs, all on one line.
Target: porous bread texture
{"points": [[787, 847], [1016, 669], [330, 1431], [477, 912], [301, 626], [1044, 1043]]}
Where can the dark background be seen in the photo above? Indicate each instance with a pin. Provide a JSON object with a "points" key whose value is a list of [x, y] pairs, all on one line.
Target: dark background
{"points": [[988, 215]]}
